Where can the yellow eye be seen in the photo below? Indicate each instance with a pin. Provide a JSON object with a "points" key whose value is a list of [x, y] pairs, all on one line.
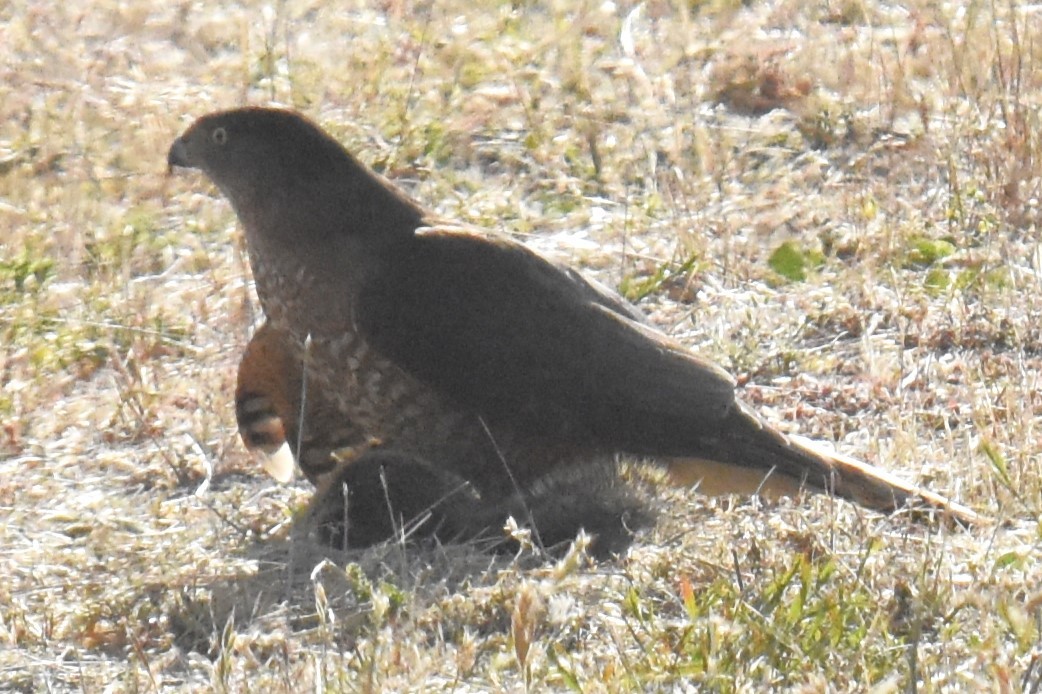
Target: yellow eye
{"points": [[219, 136]]}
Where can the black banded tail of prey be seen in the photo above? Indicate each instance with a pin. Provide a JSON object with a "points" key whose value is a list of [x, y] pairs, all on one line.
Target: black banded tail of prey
{"points": [[438, 338], [282, 422]]}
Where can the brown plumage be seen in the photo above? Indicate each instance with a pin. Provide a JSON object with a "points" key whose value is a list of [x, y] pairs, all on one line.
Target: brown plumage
{"points": [[461, 358]]}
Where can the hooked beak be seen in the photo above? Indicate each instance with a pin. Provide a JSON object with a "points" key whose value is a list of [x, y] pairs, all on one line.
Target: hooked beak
{"points": [[178, 156]]}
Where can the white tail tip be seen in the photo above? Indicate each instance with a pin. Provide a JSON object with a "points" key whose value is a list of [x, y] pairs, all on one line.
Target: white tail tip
{"points": [[279, 464]]}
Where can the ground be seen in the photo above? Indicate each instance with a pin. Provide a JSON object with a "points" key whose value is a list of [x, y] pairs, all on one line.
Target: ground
{"points": [[836, 201]]}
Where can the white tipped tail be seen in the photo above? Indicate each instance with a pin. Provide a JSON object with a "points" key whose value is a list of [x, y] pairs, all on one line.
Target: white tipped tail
{"points": [[279, 464]]}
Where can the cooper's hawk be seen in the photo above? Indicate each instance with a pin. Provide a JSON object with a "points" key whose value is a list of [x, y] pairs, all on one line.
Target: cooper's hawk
{"points": [[434, 366]]}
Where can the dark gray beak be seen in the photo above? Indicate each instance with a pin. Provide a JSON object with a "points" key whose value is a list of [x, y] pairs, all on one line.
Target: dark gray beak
{"points": [[178, 155]]}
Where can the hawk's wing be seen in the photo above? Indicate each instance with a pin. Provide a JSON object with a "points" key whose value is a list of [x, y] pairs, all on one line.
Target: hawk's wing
{"points": [[516, 338]]}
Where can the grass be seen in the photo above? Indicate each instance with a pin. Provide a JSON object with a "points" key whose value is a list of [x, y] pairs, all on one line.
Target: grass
{"points": [[838, 202]]}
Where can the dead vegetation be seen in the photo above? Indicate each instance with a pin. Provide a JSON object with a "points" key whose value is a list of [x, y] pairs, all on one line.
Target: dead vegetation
{"points": [[839, 202]]}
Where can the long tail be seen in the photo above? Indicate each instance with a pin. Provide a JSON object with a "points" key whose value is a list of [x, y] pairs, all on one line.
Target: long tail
{"points": [[753, 458]]}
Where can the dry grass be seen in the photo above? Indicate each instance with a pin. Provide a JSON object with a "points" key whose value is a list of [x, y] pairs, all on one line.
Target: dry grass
{"points": [[702, 157]]}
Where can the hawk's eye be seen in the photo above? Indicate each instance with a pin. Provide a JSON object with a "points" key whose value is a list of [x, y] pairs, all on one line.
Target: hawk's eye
{"points": [[219, 136]]}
